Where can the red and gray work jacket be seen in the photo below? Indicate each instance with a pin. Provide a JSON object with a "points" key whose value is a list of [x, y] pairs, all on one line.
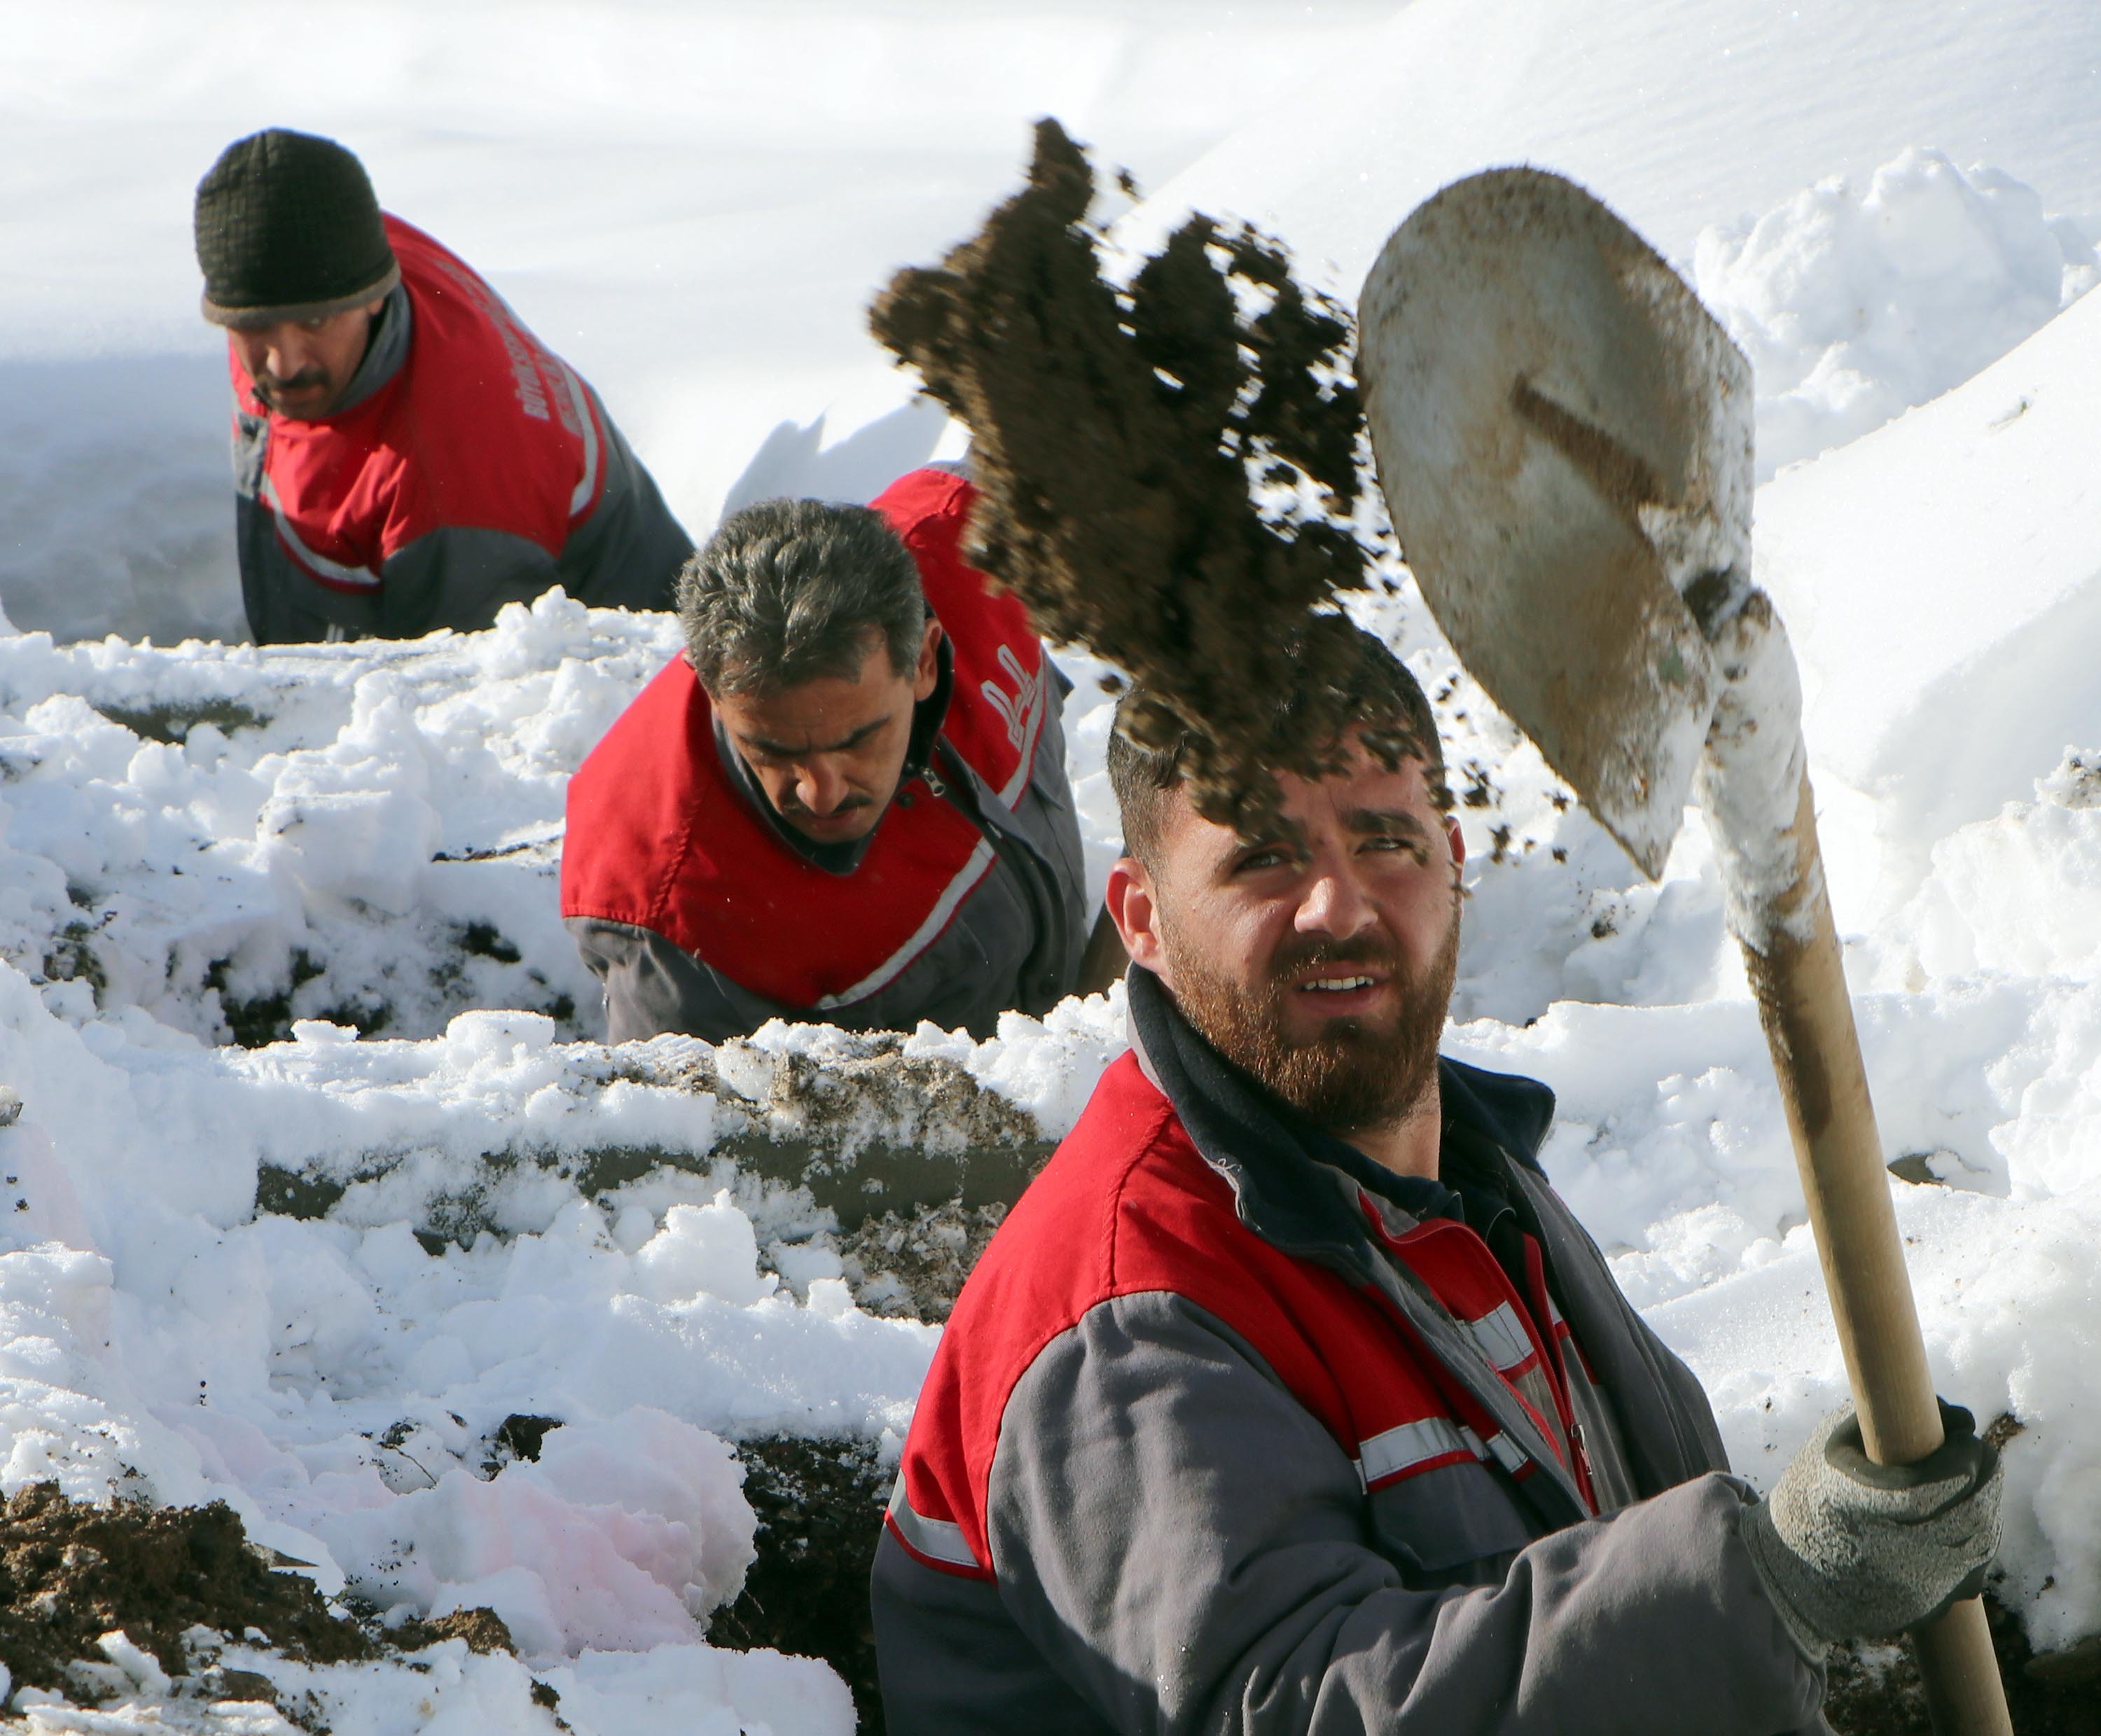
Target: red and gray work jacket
{"points": [[702, 911], [467, 466], [1224, 1436]]}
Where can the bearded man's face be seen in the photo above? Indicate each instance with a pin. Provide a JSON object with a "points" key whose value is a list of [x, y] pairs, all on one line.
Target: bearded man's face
{"points": [[1320, 961]]}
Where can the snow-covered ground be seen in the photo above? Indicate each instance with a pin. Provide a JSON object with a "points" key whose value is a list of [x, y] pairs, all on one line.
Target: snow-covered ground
{"points": [[476, 1212]]}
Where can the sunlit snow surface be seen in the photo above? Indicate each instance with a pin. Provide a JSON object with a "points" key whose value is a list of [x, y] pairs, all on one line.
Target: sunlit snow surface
{"points": [[198, 840]]}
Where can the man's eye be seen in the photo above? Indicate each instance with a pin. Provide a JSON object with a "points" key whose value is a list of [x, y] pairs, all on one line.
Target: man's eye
{"points": [[1388, 843], [1260, 859]]}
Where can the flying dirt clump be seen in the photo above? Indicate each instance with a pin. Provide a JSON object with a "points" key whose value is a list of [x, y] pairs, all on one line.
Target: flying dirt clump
{"points": [[1170, 473]]}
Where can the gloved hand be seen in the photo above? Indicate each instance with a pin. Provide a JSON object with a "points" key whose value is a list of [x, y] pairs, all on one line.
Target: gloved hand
{"points": [[1851, 1549]]}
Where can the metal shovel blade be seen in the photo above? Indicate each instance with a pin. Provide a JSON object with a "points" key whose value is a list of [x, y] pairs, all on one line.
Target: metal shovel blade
{"points": [[1564, 436]]}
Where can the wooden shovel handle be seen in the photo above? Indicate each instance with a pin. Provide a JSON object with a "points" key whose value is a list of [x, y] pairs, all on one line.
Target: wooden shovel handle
{"points": [[1807, 1013]]}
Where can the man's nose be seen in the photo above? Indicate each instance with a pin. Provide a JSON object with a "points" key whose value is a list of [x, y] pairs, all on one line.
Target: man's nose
{"points": [[1335, 904], [284, 353], [819, 787]]}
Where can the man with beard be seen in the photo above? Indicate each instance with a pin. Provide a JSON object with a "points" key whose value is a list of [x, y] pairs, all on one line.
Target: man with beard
{"points": [[407, 455], [1290, 1397]]}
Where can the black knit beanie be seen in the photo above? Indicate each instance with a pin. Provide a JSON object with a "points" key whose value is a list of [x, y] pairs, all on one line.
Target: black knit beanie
{"points": [[287, 228]]}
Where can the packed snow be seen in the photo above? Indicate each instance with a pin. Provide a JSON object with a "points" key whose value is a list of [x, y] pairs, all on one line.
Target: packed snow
{"points": [[343, 855], [1855, 303]]}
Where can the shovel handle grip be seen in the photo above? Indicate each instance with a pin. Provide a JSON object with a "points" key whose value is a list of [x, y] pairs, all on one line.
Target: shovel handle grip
{"points": [[1799, 978]]}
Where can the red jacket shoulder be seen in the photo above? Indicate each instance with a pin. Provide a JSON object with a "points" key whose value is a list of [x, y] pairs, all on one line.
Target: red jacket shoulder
{"points": [[1127, 1206], [635, 803], [492, 430], [1003, 689]]}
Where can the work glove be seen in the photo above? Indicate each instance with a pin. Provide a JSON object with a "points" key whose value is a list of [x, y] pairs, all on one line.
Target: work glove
{"points": [[1851, 1549]]}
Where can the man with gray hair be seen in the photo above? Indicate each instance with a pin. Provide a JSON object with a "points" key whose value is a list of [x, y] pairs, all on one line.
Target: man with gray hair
{"points": [[845, 802]]}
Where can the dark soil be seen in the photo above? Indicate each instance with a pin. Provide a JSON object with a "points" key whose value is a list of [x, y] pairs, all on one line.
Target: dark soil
{"points": [[483, 1630], [70, 1572], [1170, 473], [912, 1265], [820, 1505], [266, 1019], [819, 1502], [172, 720], [1875, 1691]]}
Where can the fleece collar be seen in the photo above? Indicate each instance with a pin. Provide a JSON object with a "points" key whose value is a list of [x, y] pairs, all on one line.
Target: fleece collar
{"points": [[385, 351]]}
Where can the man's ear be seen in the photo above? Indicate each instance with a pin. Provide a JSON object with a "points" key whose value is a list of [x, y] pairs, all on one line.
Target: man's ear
{"points": [[1458, 841], [1132, 907], [928, 675]]}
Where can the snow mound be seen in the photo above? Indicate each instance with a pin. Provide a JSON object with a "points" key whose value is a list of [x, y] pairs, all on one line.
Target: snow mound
{"points": [[1879, 275], [366, 833], [1941, 581], [1855, 304], [535, 1418]]}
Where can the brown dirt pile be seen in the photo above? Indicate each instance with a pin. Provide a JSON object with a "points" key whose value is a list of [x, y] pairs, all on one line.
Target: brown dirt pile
{"points": [[1169, 472], [70, 1572]]}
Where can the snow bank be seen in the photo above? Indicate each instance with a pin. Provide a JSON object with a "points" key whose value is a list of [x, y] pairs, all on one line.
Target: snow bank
{"points": [[1861, 270], [347, 1387], [1941, 580], [1854, 305], [364, 833], [673, 1690]]}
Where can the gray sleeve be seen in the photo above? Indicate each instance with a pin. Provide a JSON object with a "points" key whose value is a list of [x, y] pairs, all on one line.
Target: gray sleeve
{"points": [[1190, 1549], [653, 986], [458, 575], [1046, 817]]}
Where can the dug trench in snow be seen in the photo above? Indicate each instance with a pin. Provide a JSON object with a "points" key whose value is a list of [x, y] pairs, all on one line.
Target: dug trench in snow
{"points": [[820, 1506], [908, 1153], [916, 1162], [819, 1501], [1170, 475]]}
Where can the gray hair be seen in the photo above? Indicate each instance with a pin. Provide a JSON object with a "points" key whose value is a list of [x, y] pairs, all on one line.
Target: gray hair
{"points": [[788, 591]]}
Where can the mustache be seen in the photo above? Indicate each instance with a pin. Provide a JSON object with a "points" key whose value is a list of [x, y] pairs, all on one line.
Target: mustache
{"points": [[268, 382], [853, 804], [1297, 956]]}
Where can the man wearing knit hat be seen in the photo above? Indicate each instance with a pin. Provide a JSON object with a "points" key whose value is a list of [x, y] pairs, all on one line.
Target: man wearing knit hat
{"points": [[406, 455]]}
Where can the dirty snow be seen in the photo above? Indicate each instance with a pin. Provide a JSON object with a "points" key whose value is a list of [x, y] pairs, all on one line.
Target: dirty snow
{"points": [[473, 1212]]}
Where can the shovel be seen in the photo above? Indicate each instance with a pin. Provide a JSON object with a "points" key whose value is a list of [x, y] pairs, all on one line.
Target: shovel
{"points": [[1564, 436]]}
